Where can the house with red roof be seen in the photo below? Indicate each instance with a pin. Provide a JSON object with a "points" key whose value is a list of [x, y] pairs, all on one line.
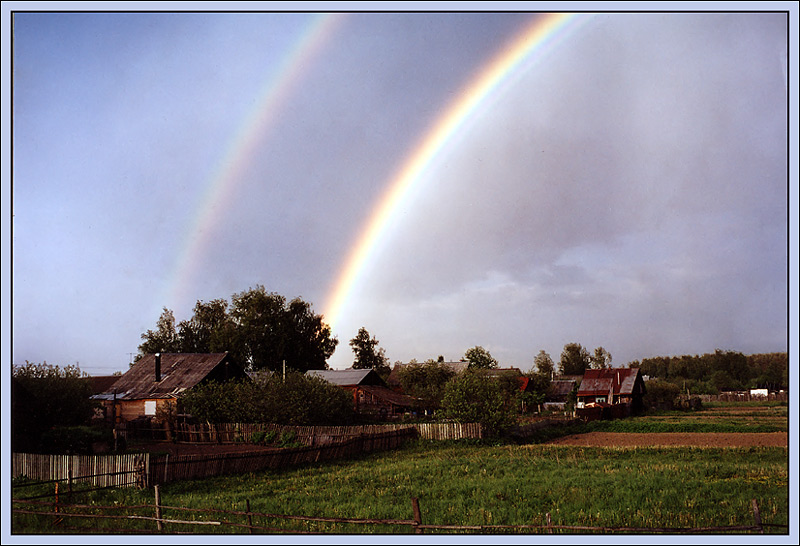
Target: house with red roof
{"points": [[610, 393]]}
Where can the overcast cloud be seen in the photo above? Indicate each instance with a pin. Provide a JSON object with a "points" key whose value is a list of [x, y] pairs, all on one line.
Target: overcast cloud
{"points": [[629, 190]]}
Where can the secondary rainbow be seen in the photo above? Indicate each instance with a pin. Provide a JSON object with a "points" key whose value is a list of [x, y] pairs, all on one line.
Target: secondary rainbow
{"points": [[535, 38], [221, 185]]}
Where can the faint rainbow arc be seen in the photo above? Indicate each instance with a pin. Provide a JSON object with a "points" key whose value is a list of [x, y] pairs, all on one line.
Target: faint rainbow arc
{"points": [[221, 185], [530, 40]]}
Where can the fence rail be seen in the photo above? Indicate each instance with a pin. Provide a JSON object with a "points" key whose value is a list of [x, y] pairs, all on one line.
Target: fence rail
{"points": [[237, 520]]}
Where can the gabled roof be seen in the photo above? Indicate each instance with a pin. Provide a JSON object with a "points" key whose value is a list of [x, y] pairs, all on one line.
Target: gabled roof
{"points": [[617, 380], [349, 377], [179, 372], [561, 387], [101, 383]]}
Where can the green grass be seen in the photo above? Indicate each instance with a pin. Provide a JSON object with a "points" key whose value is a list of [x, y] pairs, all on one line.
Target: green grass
{"points": [[474, 483], [468, 484]]}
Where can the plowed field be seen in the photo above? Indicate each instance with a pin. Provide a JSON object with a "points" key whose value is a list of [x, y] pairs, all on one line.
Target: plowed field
{"points": [[695, 439]]}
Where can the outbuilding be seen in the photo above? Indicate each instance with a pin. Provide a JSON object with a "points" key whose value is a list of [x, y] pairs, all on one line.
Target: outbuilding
{"points": [[156, 380]]}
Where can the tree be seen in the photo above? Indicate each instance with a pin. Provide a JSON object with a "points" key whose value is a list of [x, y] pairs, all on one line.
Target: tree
{"points": [[259, 330], [426, 382], [601, 359], [574, 359], [479, 357], [164, 339], [45, 397], [368, 354], [298, 399], [474, 397], [210, 329], [544, 364]]}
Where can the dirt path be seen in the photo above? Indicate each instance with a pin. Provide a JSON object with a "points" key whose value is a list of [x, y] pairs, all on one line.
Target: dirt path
{"points": [[697, 439]]}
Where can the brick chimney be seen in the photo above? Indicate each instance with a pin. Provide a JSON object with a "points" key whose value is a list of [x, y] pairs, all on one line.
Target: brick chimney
{"points": [[158, 367]]}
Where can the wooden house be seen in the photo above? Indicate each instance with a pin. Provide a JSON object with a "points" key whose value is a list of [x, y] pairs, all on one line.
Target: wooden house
{"points": [[158, 379], [371, 396], [617, 392]]}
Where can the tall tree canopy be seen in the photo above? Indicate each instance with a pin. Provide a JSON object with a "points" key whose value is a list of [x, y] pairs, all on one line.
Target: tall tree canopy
{"points": [[544, 364], [479, 357], [368, 354], [601, 359], [259, 330], [574, 359]]}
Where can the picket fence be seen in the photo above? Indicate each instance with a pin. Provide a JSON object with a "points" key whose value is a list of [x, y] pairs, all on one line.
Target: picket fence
{"points": [[320, 444], [95, 470]]}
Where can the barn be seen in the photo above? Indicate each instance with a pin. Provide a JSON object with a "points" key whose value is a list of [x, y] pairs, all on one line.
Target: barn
{"points": [[371, 396], [157, 379]]}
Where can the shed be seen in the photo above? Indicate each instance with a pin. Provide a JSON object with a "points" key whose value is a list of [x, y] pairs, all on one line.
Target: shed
{"points": [[158, 378]]}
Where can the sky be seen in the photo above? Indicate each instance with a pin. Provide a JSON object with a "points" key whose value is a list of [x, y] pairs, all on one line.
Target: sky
{"points": [[623, 183]]}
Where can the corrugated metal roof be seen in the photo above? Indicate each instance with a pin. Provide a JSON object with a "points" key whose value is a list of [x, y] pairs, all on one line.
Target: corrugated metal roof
{"points": [[561, 387], [349, 377], [179, 372], [600, 382]]}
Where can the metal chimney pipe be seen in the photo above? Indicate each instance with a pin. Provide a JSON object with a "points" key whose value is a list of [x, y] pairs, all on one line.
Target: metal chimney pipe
{"points": [[158, 367]]}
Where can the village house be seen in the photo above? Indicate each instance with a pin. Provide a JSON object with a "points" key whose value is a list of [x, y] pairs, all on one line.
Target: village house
{"points": [[159, 379], [371, 396], [610, 393]]}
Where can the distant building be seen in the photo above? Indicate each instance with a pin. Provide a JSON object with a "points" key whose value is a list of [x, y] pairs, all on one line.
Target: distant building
{"points": [[610, 392], [371, 396]]}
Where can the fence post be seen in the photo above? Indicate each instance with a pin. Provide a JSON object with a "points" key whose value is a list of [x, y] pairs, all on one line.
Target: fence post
{"points": [[249, 517], [549, 523], [757, 516], [417, 515], [159, 524]]}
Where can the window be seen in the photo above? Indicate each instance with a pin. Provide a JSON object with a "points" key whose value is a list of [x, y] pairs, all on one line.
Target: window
{"points": [[600, 399], [149, 407]]}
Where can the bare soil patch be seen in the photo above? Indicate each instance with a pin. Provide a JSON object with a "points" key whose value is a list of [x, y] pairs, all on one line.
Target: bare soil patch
{"points": [[692, 439]]}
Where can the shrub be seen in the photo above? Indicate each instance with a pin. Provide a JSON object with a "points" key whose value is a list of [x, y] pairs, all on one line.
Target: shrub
{"points": [[74, 440], [475, 397]]}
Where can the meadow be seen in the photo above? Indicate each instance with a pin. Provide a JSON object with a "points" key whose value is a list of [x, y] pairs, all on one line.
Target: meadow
{"points": [[473, 483]]}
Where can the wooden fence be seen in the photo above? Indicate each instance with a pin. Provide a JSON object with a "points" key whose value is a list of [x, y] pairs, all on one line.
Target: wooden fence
{"points": [[164, 469], [95, 470], [146, 469], [152, 519], [230, 433], [321, 444]]}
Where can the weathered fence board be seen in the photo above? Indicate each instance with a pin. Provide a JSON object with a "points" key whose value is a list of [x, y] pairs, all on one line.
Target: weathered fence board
{"points": [[97, 470]]}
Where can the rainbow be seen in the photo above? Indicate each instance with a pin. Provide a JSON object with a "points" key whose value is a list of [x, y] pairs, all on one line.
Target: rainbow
{"points": [[535, 38], [220, 187]]}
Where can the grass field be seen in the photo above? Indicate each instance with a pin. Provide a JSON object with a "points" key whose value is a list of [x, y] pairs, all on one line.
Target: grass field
{"points": [[477, 484]]}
